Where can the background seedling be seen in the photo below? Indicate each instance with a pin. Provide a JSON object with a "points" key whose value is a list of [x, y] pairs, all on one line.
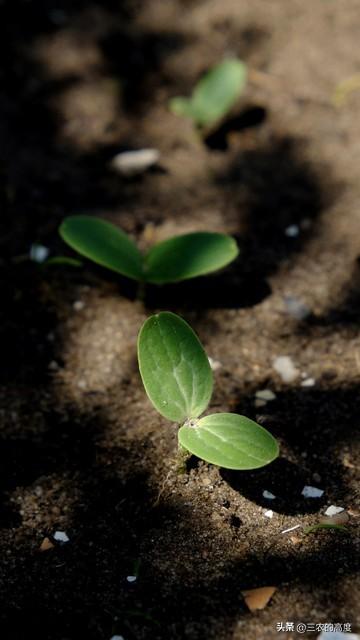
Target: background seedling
{"points": [[178, 380], [173, 260], [214, 95]]}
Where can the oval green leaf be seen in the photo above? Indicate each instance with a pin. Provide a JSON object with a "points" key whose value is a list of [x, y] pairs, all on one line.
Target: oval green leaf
{"points": [[103, 243], [230, 441], [215, 93], [188, 256], [174, 367]]}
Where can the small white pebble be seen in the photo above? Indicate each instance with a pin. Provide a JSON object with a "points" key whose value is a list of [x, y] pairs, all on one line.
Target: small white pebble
{"points": [[259, 403], [291, 528], [82, 384], [61, 536], [131, 578], [117, 638], [78, 305], [269, 513], [268, 495], [309, 382], [214, 364], [296, 307], [132, 163], [312, 492], [332, 510], [286, 369], [265, 394], [292, 231], [337, 635], [38, 253]]}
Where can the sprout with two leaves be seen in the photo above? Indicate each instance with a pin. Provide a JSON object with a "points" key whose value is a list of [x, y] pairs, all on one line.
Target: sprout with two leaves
{"points": [[178, 258], [178, 380], [214, 95]]}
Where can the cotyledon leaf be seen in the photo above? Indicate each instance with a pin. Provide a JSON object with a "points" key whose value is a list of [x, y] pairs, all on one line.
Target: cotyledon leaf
{"points": [[230, 441], [103, 243], [214, 95], [174, 367], [218, 90], [188, 256]]}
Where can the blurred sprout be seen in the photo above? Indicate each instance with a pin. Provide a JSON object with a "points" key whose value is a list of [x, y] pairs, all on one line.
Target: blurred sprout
{"points": [[214, 95]]}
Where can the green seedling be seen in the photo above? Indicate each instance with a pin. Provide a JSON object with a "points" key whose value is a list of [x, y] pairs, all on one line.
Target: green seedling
{"points": [[214, 95], [173, 260], [178, 380]]}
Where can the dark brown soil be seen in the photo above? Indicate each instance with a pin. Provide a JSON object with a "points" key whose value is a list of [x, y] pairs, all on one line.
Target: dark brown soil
{"points": [[81, 449]]}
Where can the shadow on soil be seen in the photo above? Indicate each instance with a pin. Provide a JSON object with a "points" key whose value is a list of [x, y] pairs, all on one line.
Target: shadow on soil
{"points": [[44, 178], [116, 530], [346, 312], [80, 589], [271, 186], [274, 190], [313, 425], [248, 118]]}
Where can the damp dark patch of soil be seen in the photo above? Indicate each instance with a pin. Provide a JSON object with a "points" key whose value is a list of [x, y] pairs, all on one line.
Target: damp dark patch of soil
{"points": [[250, 117], [135, 548]]}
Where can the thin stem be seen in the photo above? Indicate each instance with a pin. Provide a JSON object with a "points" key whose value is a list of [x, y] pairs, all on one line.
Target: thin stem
{"points": [[182, 456]]}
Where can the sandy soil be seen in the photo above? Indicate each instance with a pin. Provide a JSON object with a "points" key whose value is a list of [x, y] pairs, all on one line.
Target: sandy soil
{"points": [[81, 449]]}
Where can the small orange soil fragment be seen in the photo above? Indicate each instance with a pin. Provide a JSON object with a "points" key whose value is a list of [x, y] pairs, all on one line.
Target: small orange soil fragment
{"points": [[258, 598], [46, 545]]}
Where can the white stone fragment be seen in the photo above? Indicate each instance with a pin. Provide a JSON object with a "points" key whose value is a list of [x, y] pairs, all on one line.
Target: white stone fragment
{"points": [[214, 364], [296, 308], [78, 305], [269, 513], [61, 536], [332, 510], [286, 369], [312, 492], [131, 578], [309, 382], [268, 495], [291, 528], [292, 231], [265, 394], [38, 253], [132, 163], [337, 635]]}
